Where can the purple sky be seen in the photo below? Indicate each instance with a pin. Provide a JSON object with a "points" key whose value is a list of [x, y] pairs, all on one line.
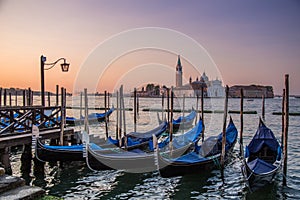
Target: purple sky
{"points": [[251, 42]]}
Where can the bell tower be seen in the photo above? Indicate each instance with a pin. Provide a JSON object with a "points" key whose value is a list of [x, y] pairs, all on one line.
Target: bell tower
{"points": [[178, 73]]}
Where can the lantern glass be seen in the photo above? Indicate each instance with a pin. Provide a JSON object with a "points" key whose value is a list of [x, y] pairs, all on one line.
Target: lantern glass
{"points": [[65, 67]]}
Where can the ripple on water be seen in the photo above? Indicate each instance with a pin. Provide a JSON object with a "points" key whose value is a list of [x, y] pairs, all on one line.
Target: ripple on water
{"points": [[94, 185], [153, 187]]}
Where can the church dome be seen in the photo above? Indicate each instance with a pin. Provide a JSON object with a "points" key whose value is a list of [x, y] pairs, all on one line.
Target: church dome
{"points": [[197, 85], [204, 77]]}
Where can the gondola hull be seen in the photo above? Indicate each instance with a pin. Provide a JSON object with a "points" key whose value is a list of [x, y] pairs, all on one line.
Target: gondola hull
{"points": [[170, 169], [44, 153], [256, 181], [194, 162], [129, 161]]}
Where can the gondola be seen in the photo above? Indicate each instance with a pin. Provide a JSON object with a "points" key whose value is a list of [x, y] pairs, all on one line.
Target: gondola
{"points": [[47, 153], [202, 159], [74, 152], [137, 161], [182, 122], [262, 158], [93, 118], [139, 140]]}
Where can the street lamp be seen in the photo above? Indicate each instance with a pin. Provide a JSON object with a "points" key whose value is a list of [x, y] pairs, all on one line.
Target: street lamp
{"points": [[64, 68]]}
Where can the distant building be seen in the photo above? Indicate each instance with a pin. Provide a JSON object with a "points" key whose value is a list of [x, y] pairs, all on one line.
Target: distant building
{"points": [[251, 91], [212, 88]]}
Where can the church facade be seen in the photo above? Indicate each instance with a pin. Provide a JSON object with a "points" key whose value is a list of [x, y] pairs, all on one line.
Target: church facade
{"points": [[211, 88]]}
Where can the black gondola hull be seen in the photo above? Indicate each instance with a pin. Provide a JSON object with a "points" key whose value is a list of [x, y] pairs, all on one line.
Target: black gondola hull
{"points": [[171, 169], [256, 181], [128, 161], [46, 154]]}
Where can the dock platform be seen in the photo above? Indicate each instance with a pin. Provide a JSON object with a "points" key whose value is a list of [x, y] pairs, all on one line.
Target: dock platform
{"points": [[16, 139]]}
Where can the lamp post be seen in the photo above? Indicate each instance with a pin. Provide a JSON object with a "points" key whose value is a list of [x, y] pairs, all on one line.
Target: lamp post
{"points": [[64, 68]]}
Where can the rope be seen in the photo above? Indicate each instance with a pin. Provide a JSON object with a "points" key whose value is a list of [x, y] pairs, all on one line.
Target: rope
{"points": [[217, 163], [286, 178], [249, 176], [34, 145], [85, 154]]}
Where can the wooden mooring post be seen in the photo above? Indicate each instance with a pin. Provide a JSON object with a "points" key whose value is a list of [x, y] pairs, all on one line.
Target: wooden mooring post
{"points": [[0, 96], [29, 98], [168, 104], [197, 107], [137, 104], [106, 118], [4, 159], [24, 97], [242, 123], [16, 98], [49, 101], [162, 106], [282, 117], [117, 117], [183, 110], [123, 113], [202, 112], [171, 121], [26, 158], [263, 107], [86, 112], [120, 117], [10, 100], [63, 109], [108, 103], [134, 109], [224, 131], [4, 97], [286, 125]]}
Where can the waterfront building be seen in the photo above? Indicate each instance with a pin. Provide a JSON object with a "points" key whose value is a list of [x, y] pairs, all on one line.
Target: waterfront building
{"points": [[213, 88]]}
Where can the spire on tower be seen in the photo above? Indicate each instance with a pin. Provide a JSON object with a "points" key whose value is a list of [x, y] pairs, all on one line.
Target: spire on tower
{"points": [[178, 73], [178, 61], [179, 67]]}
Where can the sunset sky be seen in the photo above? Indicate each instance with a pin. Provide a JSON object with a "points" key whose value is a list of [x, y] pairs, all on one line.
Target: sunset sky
{"points": [[250, 42]]}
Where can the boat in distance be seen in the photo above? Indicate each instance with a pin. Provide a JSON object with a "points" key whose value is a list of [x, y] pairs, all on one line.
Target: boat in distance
{"points": [[182, 122], [92, 118]]}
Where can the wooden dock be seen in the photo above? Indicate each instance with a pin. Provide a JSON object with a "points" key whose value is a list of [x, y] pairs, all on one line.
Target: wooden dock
{"points": [[16, 124], [16, 139]]}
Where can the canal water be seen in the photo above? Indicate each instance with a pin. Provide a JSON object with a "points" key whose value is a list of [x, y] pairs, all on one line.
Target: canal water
{"points": [[73, 180]]}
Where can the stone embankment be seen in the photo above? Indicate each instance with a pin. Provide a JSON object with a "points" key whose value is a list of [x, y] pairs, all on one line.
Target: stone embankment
{"points": [[12, 187]]}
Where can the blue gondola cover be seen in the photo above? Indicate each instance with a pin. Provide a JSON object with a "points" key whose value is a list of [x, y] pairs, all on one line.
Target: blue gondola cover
{"points": [[259, 166], [263, 136]]}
